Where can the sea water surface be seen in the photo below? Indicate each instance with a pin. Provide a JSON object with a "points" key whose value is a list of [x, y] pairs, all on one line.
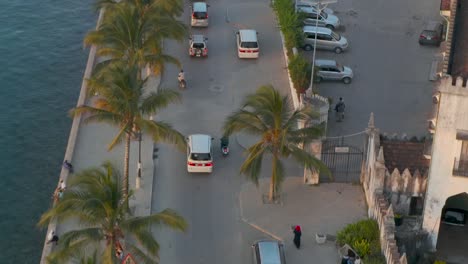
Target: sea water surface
{"points": [[42, 61]]}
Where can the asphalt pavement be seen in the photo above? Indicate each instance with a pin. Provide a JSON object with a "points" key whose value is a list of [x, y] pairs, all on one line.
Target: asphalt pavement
{"points": [[215, 87]]}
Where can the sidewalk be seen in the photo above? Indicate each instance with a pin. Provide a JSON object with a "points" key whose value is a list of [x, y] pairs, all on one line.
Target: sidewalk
{"points": [[323, 209]]}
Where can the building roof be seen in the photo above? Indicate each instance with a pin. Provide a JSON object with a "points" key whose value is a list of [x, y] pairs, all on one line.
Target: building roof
{"points": [[459, 53], [405, 154]]}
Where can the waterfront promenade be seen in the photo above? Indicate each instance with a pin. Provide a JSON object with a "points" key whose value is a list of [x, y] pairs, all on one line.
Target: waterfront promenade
{"points": [[88, 147]]}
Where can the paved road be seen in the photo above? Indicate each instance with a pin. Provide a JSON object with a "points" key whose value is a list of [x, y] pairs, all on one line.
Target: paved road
{"points": [[391, 69], [215, 87]]}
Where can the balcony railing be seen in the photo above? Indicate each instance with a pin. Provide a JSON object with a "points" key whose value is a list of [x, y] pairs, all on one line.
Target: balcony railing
{"points": [[460, 167]]}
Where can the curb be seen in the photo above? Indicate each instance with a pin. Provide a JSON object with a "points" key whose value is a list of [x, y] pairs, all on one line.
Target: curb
{"points": [[253, 225]]}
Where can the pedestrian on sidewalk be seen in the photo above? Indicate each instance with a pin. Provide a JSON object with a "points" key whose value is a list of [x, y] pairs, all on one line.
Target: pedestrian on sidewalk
{"points": [[297, 236], [67, 165], [340, 109], [62, 185], [52, 237]]}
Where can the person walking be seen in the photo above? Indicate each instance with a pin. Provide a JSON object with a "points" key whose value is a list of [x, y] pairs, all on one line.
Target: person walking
{"points": [[340, 109], [52, 237], [297, 236]]}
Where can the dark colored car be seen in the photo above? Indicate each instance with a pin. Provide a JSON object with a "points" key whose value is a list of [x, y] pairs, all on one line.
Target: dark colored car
{"points": [[432, 34]]}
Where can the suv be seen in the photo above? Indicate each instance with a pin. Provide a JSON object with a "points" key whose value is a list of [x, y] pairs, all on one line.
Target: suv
{"points": [[199, 14], [322, 20], [198, 47], [432, 34], [331, 70], [326, 39], [268, 252]]}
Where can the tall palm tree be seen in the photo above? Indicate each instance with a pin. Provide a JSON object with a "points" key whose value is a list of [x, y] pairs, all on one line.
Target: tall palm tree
{"points": [[271, 117], [95, 199], [123, 104], [129, 35]]}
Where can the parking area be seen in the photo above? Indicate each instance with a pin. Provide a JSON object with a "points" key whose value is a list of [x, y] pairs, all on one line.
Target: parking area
{"points": [[391, 70]]}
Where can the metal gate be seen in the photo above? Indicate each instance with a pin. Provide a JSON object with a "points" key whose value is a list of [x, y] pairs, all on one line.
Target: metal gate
{"points": [[343, 159]]}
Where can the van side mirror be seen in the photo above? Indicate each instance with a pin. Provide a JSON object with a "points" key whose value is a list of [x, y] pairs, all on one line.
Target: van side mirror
{"points": [[206, 38], [212, 138]]}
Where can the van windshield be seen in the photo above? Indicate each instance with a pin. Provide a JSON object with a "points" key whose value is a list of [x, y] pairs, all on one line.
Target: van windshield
{"points": [[324, 15], [249, 45], [336, 36], [200, 156]]}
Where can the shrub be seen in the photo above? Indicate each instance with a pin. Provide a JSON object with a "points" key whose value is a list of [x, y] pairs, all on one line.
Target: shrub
{"points": [[300, 71], [364, 230], [362, 247], [439, 262], [289, 23]]}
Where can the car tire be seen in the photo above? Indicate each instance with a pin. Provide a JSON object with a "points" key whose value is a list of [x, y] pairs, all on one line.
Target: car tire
{"points": [[347, 80], [307, 47], [338, 50], [330, 27], [318, 79]]}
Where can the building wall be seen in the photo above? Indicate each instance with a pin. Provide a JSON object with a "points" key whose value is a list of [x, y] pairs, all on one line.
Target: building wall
{"points": [[452, 116]]}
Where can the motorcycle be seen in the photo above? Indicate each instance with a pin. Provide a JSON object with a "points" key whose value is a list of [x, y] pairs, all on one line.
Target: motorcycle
{"points": [[182, 83], [225, 146]]}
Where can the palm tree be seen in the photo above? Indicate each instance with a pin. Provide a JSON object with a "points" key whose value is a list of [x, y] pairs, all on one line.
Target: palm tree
{"points": [[132, 34], [95, 199], [270, 116], [122, 103]]}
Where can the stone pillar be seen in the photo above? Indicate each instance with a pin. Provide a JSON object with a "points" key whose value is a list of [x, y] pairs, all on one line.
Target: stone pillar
{"points": [[312, 177]]}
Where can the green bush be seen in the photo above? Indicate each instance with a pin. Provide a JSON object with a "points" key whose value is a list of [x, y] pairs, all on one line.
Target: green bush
{"points": [[300, 70], [354, 234], [375, 259], [289, 22], [362, 247]]}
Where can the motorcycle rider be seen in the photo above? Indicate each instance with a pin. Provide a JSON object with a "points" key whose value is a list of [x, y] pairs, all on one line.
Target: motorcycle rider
{"points": [[181, 76], [224, 145]]}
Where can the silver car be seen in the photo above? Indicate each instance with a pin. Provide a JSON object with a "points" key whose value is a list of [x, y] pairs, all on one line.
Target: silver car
{"points": [[301, 4], [322, 20], [268, 252], [333, 71], [326, 39]]}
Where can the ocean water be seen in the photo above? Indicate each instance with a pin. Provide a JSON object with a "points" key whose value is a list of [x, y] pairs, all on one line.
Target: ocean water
{"points": [[42, 61]]}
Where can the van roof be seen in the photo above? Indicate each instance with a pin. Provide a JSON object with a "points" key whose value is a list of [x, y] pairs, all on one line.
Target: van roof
{"points": [[248, 35], [320, 62], [200, 143], [322, 30], [269, 252], [199, 7]]}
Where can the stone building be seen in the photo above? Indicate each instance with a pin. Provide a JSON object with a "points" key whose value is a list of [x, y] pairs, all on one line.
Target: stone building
{"points": [[446, 203]]}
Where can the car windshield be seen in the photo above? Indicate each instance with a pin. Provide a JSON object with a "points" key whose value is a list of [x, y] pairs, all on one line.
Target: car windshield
{"points": [[200, 156], [249, 45], [198, 45], [336, 36], [324, 15]]}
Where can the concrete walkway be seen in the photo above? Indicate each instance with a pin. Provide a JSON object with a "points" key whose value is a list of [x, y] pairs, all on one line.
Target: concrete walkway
{"points": [[323, 209]]}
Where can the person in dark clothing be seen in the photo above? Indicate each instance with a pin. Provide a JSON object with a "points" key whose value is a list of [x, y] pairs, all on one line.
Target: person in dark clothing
{"points": [[297, 236], [340, 109]]}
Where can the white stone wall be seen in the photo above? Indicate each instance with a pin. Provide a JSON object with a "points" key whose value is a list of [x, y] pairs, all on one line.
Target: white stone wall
{"points": [[452, 115]]}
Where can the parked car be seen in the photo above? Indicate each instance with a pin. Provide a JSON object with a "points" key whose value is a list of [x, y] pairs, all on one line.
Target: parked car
{"points": [[330, 70], [431, 34], [326, 39], [268, 252], [322, 20], [301, 4], [198, 46], [199, 16]]}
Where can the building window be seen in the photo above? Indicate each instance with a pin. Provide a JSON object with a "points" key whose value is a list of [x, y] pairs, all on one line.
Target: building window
{"points": [[416, 205], [460, 166]]}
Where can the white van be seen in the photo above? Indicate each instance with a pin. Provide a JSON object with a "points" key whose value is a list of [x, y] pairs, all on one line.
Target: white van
{"points": [[199, 14], [247, 44], [199, 153]]}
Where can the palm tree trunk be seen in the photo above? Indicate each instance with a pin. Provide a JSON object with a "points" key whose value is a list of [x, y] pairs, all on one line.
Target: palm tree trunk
{"points": [[273, 180], [126, 164]]}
